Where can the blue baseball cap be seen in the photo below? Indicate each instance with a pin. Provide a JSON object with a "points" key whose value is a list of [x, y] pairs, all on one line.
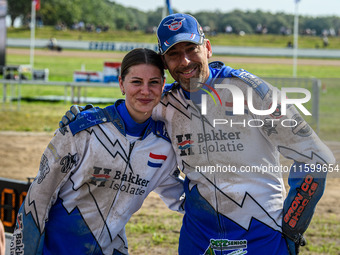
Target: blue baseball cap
{"points": [[177, 28]]}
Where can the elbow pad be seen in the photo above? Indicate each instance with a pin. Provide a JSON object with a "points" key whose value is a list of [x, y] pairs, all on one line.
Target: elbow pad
{"points": [[306, 188]]}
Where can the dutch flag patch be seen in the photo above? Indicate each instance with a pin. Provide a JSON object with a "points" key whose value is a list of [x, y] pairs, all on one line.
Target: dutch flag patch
{"points": [[156, 160]]}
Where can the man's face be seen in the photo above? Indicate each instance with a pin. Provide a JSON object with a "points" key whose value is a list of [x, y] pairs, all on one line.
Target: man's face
{"points": [[186, 61]]}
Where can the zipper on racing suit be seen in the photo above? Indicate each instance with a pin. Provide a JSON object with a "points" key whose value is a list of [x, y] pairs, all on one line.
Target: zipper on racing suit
{"points": [[118, 191], [129, 155]]}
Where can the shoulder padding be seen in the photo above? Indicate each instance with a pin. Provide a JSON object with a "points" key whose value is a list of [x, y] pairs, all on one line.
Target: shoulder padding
{"points": [[160, 130], [86, 119], [253, 81], [216, 64]]}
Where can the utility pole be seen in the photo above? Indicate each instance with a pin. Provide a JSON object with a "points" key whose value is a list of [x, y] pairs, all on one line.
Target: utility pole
{"points": [[32, 45], [296, 35], [3, 33]]}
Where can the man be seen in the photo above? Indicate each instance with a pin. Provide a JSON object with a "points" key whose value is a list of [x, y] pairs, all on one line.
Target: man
{"points": [[235, 196]]}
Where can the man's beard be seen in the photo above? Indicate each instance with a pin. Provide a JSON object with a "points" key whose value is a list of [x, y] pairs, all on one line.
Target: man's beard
{"points": [[192, 84]]}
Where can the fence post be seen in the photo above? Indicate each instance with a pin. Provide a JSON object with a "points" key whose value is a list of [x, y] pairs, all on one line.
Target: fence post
{"points": [[4, 96], [316, 102]]}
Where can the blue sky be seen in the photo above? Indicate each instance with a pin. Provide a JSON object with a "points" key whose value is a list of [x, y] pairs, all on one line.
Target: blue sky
{"points": [[305, 7]]}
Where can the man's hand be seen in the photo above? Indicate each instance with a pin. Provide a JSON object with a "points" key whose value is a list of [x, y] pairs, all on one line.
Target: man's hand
{"points": [[72, 114], [294, 248], [306, 189]]}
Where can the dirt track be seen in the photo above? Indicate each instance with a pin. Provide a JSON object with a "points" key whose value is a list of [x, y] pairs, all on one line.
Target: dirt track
{"points": [[228, 59]]}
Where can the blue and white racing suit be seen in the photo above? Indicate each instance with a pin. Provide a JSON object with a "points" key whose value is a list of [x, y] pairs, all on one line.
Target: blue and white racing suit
{"points": [[92, 178], [234, 185]]}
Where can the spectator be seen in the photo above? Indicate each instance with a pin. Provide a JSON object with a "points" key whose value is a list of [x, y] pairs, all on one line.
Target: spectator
{"points": [[325, 41], [228, 29]]}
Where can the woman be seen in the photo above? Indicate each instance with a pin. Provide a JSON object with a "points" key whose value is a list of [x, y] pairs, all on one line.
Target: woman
{"points": [[96, 172]]}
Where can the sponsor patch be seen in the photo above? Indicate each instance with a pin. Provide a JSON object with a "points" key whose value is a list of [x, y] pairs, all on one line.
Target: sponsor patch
{"points": [[174, 24], [237, 246], [44, 169], [53, 150], [68, 162], [156, 160]]}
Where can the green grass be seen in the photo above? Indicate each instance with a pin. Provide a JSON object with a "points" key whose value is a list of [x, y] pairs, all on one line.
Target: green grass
{"points": [[37, 117], [154, 229], [323, 236], [329, 110], [60, 67]]}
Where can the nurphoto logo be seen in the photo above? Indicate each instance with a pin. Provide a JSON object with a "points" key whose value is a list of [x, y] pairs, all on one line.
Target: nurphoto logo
{"points": [[238, 100], [241, 103]]}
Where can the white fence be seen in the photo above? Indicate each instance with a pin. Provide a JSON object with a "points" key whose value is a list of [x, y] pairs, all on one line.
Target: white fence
{"points": [[75, 94]]}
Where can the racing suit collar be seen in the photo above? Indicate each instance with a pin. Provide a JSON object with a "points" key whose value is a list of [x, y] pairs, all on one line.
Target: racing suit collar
{"points": [[132, 127], [117, 120]]}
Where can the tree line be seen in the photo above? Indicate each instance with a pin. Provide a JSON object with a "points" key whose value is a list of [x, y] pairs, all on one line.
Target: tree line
{"points": [[110, 15]]}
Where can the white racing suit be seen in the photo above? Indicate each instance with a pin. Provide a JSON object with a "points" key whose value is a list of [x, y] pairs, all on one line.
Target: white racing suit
{"points": [[91, 180], [229, 209]]}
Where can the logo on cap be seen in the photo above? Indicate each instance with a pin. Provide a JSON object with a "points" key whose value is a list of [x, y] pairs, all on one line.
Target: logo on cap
{"points": [[174, 24]]}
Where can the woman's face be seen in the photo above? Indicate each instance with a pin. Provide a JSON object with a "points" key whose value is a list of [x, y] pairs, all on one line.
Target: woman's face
{"points": [[143, 87]]}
